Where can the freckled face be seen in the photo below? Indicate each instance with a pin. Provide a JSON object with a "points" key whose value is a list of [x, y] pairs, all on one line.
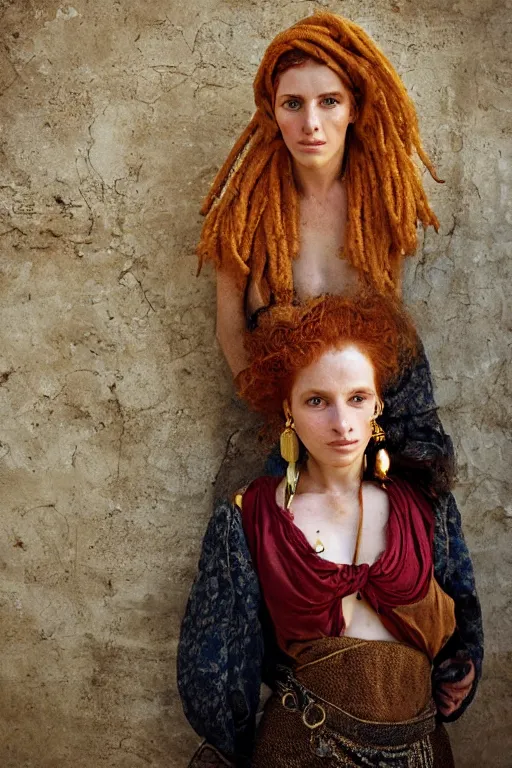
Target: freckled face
{"points": [[313, 110], [332, 402]]}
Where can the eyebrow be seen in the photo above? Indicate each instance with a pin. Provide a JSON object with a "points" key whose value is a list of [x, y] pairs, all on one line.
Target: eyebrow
{"points": [[355, 390], [331, 93], [320, 95]]}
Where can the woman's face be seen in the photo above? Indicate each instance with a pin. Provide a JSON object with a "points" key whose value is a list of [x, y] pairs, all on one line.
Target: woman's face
{"points": [[313, 110], [332, 402]]}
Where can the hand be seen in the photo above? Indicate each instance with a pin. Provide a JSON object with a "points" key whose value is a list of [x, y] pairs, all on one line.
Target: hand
{"points": [[449, 696]]}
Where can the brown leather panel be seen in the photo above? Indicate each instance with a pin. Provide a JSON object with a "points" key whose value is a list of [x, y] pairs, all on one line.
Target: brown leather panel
{"points": [[431, 621], [382, 669]]}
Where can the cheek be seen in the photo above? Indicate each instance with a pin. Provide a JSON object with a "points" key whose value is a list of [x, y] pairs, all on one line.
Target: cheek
{"points": [[287, 123], [365, 427], [338, 122], [309, 426]]}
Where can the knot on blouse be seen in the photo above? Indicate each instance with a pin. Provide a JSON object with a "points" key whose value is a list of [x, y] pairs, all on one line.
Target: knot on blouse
{"points": [[303, 592]]}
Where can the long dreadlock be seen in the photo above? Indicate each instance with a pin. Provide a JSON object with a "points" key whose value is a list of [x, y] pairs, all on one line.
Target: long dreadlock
{"points": [[252, 209]]}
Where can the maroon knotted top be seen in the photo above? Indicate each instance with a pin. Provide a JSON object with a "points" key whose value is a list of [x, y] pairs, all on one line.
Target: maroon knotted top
{"points": [[303, 591]]}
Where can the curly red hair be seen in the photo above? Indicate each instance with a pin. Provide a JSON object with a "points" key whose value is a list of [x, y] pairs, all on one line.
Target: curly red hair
{"points": [[291, 337]]}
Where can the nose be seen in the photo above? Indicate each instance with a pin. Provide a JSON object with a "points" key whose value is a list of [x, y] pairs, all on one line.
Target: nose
{"points": [[340, 422], [311, 120]]}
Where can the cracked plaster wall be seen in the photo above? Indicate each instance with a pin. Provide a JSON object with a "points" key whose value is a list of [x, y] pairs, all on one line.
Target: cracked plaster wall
{"points": [[117, 412]]}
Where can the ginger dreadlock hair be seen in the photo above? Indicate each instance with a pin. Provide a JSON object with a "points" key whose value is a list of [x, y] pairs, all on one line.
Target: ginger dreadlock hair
{"points": [[252, 209]]}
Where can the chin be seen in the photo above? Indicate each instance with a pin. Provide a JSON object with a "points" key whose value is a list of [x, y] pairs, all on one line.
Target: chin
{"points": [[340, 461], [317, 162], [312, 162], [344, 463]]}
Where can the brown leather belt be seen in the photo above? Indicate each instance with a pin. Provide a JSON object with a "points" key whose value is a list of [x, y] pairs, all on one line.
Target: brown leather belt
{"points": [[317, 713]]}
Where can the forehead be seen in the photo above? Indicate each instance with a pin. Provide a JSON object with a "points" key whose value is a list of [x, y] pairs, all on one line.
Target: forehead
{"points": [[309, 78], [337, 371]]}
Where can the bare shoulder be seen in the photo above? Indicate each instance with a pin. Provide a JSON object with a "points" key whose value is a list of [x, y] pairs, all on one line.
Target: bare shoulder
{"points": [[375, 498], [228, 287]]}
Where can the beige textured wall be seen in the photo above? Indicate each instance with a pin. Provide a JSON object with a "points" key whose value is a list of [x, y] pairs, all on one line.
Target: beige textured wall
{"points": [[116, 408]]}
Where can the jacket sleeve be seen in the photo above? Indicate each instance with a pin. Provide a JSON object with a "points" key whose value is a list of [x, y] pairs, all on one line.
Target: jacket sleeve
{"points": [[410, 419], [454, 573], [220, 651]]}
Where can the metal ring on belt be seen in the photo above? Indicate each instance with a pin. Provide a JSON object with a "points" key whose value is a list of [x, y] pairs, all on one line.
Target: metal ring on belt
{"points": [[310, 709], [294, 701]]}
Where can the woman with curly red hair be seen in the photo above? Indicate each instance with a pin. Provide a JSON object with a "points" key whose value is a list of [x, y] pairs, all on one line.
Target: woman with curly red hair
{"points": [[326, 582]]}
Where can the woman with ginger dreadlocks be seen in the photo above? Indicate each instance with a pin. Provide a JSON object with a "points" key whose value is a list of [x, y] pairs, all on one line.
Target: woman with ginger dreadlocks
{"points": [[320, 193], [328, 581], [320, 190]]}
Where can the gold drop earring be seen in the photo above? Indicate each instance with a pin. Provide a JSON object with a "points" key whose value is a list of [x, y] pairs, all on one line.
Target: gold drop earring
{"points": [[382, 460], [289, 445]]}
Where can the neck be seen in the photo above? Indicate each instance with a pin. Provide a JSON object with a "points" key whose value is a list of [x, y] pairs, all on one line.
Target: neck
{"points": [[318, 182], [323, 478]]}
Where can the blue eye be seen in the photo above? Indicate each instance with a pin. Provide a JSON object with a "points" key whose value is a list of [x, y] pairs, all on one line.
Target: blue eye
{"points": [[315, 401], [330, 101], [293, 104]]}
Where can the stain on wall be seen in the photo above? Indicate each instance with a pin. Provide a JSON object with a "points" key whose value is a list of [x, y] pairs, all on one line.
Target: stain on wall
{"points": [[117, 412]]}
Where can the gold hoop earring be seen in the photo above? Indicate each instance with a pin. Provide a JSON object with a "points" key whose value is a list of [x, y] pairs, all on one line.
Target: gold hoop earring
{"points": [[382, 460], [289, 445]]}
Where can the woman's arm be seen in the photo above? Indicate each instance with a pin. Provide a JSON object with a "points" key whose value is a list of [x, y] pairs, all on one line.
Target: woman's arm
{"points": [[220, 650], [231, 324], [410, 419], [454, 573], [451, 696]]}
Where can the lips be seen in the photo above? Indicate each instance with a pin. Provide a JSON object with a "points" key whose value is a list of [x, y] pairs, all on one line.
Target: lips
{"points": [[312, 143], [342, 443]]}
